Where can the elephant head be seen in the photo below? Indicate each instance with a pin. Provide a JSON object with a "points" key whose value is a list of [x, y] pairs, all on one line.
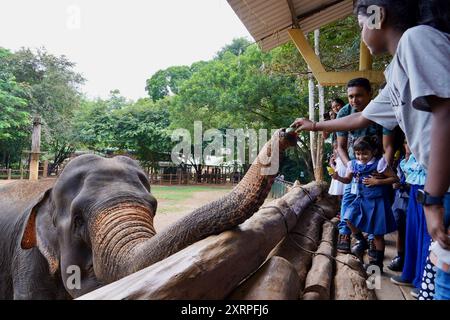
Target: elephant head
{"points": [[66, 220], [98, 217]]}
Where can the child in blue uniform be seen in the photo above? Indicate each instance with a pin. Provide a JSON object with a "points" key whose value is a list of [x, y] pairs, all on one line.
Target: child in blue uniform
{"points": [[371, 211]]}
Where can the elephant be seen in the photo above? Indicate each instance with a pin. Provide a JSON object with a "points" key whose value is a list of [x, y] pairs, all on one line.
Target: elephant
{"points": [[97, 218]]}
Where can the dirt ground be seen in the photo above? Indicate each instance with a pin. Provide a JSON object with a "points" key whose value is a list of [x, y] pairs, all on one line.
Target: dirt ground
{"points": [[162, 220]]}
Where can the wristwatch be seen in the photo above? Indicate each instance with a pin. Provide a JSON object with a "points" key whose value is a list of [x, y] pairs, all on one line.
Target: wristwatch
{"points": [[425, 199]]}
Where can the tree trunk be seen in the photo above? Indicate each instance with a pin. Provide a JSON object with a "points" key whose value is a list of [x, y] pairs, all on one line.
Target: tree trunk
{"points": [[350, 283], [305, 237], [318, 166], [320, 275], [275, 280]]}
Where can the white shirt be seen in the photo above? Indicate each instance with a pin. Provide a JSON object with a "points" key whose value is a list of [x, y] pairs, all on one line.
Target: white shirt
{"points": [[381, 167]]}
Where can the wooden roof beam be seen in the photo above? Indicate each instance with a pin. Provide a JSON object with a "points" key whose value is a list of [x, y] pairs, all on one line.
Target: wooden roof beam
{"points": [[334, 78], [295, 20]]}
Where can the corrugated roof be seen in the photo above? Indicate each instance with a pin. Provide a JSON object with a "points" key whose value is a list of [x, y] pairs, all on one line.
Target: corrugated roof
{"points": [[268, 20]]}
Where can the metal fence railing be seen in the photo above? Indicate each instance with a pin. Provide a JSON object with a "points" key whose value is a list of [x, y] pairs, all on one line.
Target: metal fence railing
{"points": [[279, 188]]}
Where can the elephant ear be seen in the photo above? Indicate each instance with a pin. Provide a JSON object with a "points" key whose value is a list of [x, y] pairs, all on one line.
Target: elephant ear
{"points": [[42, 236], [29, 238]]}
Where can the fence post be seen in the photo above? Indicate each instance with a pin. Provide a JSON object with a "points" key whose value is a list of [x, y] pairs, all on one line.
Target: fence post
{"points": [[9, 174], [45, 172]]}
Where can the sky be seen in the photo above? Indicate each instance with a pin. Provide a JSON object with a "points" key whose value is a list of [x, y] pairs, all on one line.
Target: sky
{"points": [[118, 44]]}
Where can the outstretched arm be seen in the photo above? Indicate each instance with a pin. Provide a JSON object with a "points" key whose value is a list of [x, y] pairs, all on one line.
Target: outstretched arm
{"points": [[351, 122], [346, 180], [438, 178], [389, 148]]}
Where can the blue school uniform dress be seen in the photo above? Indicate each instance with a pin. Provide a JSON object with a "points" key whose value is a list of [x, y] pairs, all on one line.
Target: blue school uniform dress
{"points": [[371, 210], [417, 239]]}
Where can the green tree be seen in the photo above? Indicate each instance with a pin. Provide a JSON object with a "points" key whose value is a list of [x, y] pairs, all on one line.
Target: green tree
{"points": [[166, 82], [14, 115], [143, 129], [53, 89], [236, 47]]}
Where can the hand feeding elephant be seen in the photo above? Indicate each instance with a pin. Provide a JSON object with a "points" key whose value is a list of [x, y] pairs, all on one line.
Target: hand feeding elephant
{"points": [[98, 216]]}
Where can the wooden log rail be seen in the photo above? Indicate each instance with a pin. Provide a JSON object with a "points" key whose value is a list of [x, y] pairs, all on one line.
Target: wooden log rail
{"points": [[213, 267], [277, 279], [304, 239], [320, 276], [350, 280]]}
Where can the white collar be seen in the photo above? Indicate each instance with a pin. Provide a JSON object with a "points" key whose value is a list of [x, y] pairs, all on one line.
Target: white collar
{"points": [[368, 163]]}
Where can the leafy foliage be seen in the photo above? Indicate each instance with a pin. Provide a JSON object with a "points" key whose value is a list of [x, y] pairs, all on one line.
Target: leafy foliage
{"points": [[240, 88]]}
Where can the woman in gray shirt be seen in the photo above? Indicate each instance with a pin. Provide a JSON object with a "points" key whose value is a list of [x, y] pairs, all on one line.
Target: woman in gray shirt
{"points": [[416, 97]]}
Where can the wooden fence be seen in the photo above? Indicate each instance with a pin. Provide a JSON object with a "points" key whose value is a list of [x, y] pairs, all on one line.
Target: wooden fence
{"points": [[193, 178], [13, 174]]}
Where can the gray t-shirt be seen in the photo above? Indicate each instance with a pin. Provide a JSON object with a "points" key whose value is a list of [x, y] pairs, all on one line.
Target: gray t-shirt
{"points": [[420, 68]]}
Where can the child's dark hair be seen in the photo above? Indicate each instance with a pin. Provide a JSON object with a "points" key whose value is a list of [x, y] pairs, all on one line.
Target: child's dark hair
{"points": [[371, 143], [339, 101], [360, 82], [404, 14]]}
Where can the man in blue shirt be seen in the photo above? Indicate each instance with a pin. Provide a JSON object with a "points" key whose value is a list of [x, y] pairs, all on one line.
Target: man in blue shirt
{"points": [[359, 92]]}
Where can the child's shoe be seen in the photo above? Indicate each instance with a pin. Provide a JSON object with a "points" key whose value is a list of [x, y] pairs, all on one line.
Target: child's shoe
{"points": [[372, 249], [360, 247], [397, 263], [343, 245], [400, 282], [376, 261]]}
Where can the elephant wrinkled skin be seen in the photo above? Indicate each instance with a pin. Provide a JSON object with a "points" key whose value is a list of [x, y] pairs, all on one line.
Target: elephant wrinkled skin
{"points": [[97, 219]]}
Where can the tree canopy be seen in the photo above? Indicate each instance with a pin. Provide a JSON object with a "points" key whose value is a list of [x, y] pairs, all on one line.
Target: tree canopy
{"points": [[241, 87]]}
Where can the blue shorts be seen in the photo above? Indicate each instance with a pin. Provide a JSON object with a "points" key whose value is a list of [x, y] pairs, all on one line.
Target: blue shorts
{"points": [[442, 281]]}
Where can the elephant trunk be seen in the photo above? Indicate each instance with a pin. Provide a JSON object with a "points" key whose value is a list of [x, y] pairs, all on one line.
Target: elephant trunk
{"points": [[222, 214], [115, 233], [126, 242]]}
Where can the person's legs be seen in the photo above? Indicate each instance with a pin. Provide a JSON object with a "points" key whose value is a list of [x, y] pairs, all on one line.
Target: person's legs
{"points": [[411, 239], [442, 280], [423, 248], [398, 261], [427, 285], [344, 231], [361, 245], [347, 199], [377, 257], [442, 285]]}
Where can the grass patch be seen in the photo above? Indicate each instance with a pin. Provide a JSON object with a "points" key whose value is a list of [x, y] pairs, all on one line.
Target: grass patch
{"points": [[180, 193]]}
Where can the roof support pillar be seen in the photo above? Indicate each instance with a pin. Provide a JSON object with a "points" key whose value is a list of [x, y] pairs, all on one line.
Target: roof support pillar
{"points": [[365, 58]]}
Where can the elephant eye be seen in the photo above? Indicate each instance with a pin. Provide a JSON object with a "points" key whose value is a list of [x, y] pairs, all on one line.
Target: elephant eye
{"points": [[78, 221]]}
